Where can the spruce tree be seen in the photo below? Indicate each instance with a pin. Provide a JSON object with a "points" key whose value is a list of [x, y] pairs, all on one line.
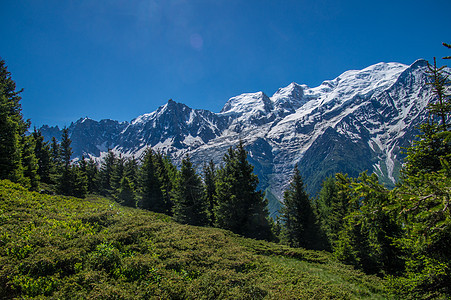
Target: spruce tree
{"points": [[332, 207], [126, 193], [42, 153], [422, 200], [66, 178], [12, 127], [29, 164], [65, 148], [55, 153], [150, 190], [167, 174], [210, 188], [106, 172], [116, 175], [241, 208], [92, 176], [190, 206], [131, 171], [297, 215]]}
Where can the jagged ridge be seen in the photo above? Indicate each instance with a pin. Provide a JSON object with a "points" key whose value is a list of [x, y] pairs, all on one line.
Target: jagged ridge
{"points": [[355, 122]]}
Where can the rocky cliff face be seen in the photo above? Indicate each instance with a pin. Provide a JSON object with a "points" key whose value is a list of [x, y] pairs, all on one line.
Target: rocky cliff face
{"points": [[358, 121]]}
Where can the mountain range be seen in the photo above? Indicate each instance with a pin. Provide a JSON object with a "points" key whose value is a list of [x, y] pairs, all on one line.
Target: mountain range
{"points": [[359, 121]]}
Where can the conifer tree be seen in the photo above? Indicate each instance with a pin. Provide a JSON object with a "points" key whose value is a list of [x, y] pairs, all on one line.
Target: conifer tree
{"points": [[131, 171], [116, 175], [167, 174], [366, 239], [29, 164], [332, 207], [150, 191], [55, 152], [12, 127], [66, 178], [190, 206], [42, 153], [92, 176], [126, 193], [422, 200], [297, 215], [66, 149], [210, 188], [240, 207], [106, 172]]}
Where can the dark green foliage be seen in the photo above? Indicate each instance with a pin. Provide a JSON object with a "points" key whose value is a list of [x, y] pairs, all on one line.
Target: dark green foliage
{"points": [[12, 127], [366, 239], [240, 207], [126, 193], [106, 172], [152, 197], [422, 202], [210, 189], [297, 216], [65, 148], [131, 171], [73, 182], [167, 174], [332, 207], [91, 173], [190, 205], [29, 164], [439, 82], [43, 154], [116, 175], [55, 152]]}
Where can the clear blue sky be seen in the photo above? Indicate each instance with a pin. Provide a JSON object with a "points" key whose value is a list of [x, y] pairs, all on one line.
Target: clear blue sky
{"points": [[119, 59]]}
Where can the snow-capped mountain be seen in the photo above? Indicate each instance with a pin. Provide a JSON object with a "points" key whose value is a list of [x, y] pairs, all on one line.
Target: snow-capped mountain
{"points": [[355, 122]]}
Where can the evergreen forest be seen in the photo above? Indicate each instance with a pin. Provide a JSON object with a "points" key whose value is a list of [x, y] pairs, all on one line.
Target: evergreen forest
{"points": [[142, 228]]}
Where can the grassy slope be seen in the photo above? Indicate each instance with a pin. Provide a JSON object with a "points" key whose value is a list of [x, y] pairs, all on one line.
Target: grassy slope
{"points": [[63, 247]]}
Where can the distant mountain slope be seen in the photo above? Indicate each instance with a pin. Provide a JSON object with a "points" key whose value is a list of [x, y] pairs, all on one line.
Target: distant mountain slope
{"points": [[355, 122]]}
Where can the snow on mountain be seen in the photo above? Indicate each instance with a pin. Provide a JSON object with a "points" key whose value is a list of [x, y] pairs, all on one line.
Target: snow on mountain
{"points": [[355, 122]]}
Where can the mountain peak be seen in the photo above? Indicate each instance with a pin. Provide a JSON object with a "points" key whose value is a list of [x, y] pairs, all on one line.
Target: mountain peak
{"points": [[290, 97], [247, 103]]}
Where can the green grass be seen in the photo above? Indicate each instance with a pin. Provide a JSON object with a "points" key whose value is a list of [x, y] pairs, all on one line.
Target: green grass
{"points": [[68, 248]]}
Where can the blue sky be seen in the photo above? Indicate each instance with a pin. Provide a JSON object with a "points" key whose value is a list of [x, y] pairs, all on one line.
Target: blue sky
{"points": [[118, 59]]}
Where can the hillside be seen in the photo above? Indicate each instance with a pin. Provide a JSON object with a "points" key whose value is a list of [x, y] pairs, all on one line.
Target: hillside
{"points": [[69, 248]]}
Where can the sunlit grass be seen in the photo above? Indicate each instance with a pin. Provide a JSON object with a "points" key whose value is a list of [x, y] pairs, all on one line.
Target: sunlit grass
{"points": [[69, 248]]}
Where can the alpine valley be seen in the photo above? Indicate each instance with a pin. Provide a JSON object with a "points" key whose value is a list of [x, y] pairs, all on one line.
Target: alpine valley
{"points": [[359, 121]]}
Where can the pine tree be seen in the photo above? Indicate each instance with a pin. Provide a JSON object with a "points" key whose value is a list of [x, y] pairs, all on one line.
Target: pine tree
{"points": [[29, 164], [66, 149], [366, 239], [150, 191], [210, 188], [116, 175], [422, 201], [167, 174], [298, 218], [66, 178], [12, 127], [131, 171], [240, 207], [332, 207], [55, 152], [42, 153], [92, 176], [126, 193], [106, 171], [189, 202]]}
